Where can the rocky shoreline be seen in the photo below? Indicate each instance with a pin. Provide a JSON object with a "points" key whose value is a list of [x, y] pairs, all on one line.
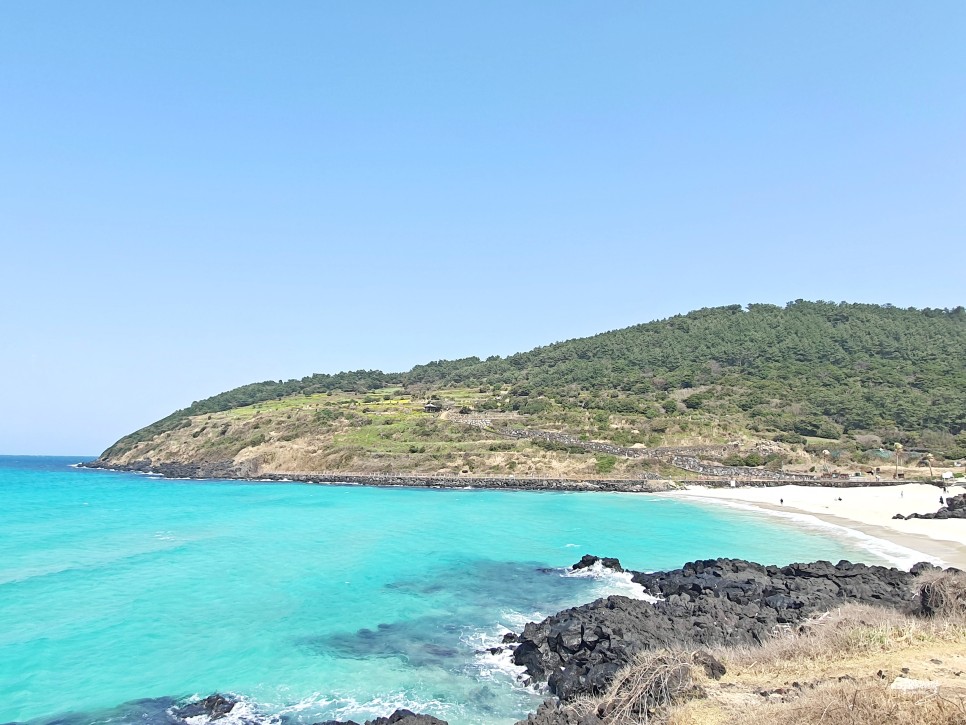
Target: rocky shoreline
{"points": [[216, 707], [704, 604], [227, 471]]}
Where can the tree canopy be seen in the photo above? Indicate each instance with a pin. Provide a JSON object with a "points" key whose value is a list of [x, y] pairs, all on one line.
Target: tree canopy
{"points": [[809, 368]]}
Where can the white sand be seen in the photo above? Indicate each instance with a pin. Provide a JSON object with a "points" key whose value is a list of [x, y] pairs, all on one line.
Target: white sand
{"points": [[867, 509]]}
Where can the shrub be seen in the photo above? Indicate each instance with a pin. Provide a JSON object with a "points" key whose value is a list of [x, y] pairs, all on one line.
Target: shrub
{"points": [[751, 460], [606, 463], [500, 447], [754, 459], [327, 415], [943, 594], [817, 427], [693, 402], [556, 446]]}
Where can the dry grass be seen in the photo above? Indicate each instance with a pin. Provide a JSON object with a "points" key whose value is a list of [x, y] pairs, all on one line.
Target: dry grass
{"points": [[836, 668], [943, 595], [871, 703], [641, 692], [849, 632]]}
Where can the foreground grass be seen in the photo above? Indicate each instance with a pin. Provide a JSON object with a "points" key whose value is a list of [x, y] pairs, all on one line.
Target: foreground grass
{"points": [[846, 666]]}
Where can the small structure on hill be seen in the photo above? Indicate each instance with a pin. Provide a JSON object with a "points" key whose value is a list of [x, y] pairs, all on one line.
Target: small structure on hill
{"points": [[432, 407]]}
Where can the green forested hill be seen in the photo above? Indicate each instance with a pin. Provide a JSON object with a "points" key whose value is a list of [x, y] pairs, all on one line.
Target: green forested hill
{"points": [[807, 369]]}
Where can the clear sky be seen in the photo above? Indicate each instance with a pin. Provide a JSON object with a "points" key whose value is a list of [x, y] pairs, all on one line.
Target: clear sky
{"points": [[194, 196]]}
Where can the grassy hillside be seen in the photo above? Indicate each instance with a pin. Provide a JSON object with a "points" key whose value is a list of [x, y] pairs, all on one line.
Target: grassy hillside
{"points": [[854, 379]]}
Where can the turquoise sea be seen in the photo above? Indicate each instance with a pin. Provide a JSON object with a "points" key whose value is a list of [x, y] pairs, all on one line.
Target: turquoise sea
{"points": [[121, 594]]}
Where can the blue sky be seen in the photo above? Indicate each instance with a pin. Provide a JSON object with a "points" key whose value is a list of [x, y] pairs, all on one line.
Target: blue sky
{"points": [[197, 196]]}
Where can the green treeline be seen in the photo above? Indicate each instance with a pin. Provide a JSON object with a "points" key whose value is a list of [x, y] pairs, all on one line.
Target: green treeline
{"points": [[807, 369]]}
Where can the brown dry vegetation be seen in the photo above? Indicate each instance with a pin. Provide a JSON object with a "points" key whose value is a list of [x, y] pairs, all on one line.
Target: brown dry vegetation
{"points": [[386, 431], [845, 666], [383, 433]]}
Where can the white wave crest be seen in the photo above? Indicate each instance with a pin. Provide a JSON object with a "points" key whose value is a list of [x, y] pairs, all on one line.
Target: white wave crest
{"points": [[611, 582], [337, 707], [245, 712], [493, 660], [319, 706]]}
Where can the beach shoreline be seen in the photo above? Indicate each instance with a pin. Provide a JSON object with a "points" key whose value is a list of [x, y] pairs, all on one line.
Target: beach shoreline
{"points": [[865, 510]]}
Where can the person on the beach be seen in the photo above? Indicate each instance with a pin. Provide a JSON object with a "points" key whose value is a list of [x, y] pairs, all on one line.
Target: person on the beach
{"points": [[781, 501], [941, 502]]}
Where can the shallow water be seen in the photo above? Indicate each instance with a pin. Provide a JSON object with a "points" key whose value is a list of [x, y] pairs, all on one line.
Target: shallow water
{"points": [[315, 602]]}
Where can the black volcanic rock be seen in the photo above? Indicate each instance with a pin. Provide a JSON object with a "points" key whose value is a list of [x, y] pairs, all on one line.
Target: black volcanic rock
{"points": [[588, 560], [399, 717], [712, 602], [214, 706], [551, 713], [955, 508]]}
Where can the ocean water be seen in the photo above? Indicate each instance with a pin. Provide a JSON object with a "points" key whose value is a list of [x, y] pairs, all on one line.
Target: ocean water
{"points": [[122, 594]]}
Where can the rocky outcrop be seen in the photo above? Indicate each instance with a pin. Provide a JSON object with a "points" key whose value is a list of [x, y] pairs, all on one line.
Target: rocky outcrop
{"points": [[588, 560], [400, 717], [551, 713], [214, 707], [713, 602], [208, 469], [954, 508], [217, 706]]}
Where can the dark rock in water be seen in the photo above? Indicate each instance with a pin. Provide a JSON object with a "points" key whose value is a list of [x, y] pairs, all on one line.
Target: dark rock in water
{"points": [[406, 717], [143, 710], [400, 717], [421, 642], [214, 706], [712, 602], [587, 561]]}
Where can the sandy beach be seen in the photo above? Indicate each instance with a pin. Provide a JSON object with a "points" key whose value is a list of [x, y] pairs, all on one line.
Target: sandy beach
{"points": [[866, 509]]}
